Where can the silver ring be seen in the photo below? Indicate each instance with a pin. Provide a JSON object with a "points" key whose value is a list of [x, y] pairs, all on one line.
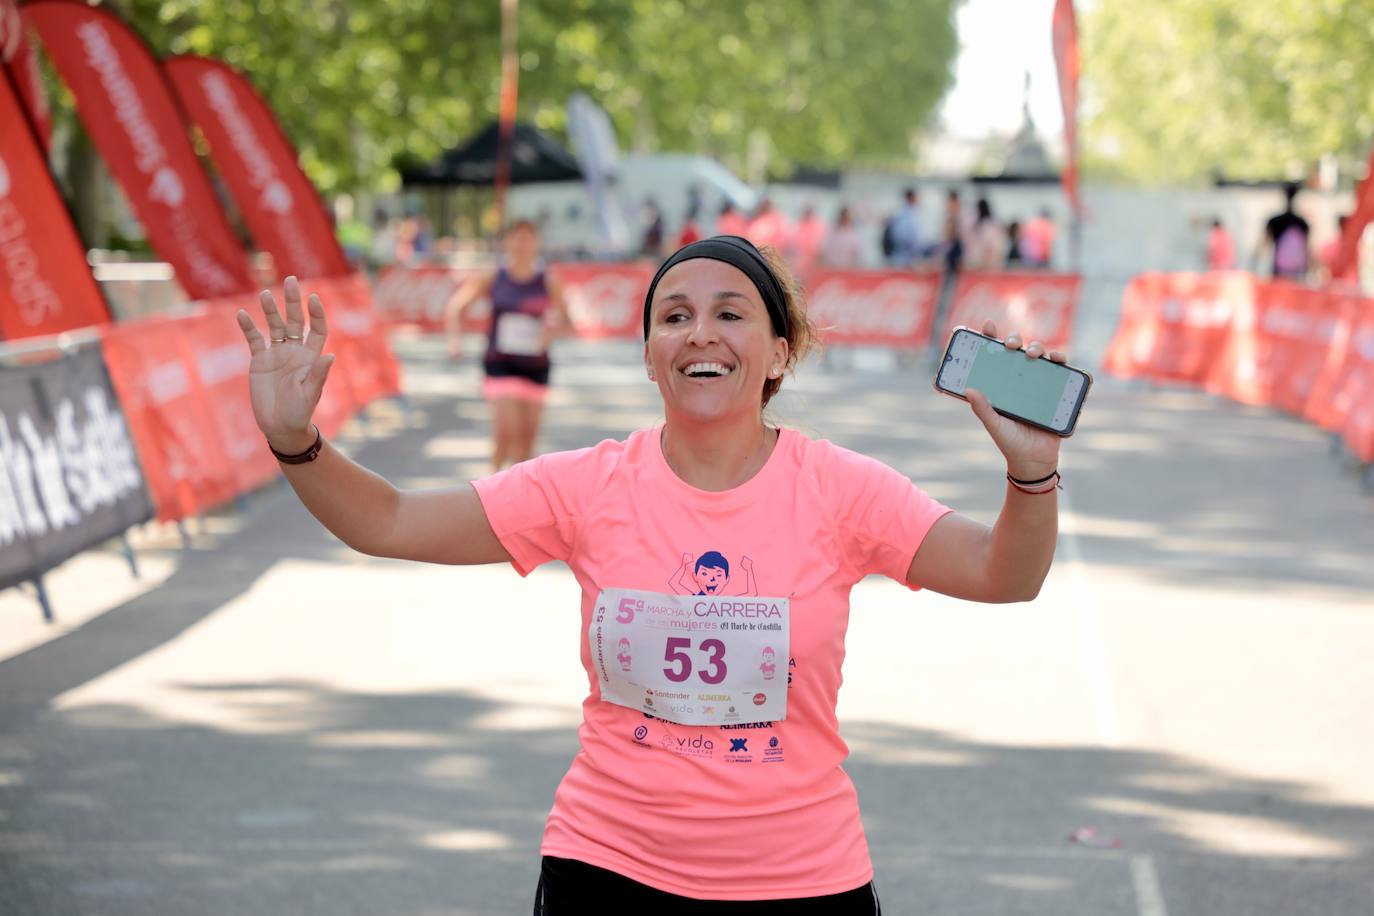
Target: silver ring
{"points": [[295, 337]]}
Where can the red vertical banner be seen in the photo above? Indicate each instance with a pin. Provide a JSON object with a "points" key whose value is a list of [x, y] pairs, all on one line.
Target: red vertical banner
{"points": [[279, 205], [1066, 62], [510, 93], [46, 286], [16, 56], [132, 117]]}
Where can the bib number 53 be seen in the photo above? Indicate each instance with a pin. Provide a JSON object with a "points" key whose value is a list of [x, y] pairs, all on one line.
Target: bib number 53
{"points": [[676, 651]]}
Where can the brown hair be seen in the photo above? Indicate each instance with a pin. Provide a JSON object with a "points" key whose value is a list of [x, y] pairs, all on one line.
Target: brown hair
{"points": [[802, 334]]}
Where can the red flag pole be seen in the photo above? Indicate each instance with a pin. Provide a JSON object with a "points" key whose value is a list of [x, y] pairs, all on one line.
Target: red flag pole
{"points": [[510, 78], [1064, 34], [1349, 251]]}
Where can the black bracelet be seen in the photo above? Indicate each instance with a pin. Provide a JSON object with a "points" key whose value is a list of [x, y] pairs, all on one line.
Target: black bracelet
{"points": [[304, 457], [1022, 485], [1033, 483]]}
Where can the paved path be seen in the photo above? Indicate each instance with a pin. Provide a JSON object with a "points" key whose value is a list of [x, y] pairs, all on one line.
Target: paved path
{"points": [[270, 724]]}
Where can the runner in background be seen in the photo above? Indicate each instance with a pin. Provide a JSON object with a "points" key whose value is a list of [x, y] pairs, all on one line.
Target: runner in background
{"points": [[716, 555], [527, 309]]}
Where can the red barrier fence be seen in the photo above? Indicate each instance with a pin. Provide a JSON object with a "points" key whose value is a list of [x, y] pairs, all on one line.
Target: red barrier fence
{"points": [[894, 308], [1269, 343], [183, 383]]}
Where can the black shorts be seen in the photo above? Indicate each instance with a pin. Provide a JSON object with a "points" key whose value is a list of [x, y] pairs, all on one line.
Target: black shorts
{"points": [[567, 886], [531, 368]]}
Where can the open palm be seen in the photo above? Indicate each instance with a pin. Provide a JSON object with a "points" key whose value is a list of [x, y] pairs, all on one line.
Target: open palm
{"points": [[287, 372]]}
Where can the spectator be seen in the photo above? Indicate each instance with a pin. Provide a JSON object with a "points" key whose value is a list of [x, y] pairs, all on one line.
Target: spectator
{"points": [[731, 221], [1287, 235], [1015, 245], [987, 242], [844, 246], [906, 231], [1221, 250], [769, 227], [807, 238], [1037, 240], [1348, 279], [651, 246]]}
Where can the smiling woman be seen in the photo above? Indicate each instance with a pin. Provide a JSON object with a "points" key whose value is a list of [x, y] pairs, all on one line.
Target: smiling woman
{"points": [[704, 775]]}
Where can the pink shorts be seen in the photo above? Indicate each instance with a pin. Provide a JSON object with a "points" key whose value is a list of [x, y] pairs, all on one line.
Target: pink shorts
{"points": [[512, 386]]}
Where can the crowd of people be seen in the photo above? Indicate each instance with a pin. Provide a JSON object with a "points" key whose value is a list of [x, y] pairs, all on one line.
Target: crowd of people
{"points": [[1285, 249], [969, 238]]}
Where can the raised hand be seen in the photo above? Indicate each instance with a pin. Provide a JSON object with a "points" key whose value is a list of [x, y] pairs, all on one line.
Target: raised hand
{"points": [[288, 370], [1031, 453]]}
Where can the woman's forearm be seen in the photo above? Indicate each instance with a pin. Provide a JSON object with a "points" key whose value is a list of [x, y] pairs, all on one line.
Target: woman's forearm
{"points": [[1021, 543], [358, 506]]}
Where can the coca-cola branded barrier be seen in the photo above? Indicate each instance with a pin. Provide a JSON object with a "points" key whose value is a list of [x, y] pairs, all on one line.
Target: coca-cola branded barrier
{"points": [[183, 383], [888, 307], [71, 476], [1271, 343], [1040, 306], [880, 307]]}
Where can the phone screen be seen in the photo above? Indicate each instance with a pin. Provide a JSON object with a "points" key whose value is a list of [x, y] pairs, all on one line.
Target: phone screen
{"points": [[1038, 390]]}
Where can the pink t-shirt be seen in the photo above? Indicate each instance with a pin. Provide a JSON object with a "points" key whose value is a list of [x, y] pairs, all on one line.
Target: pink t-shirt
{"points": [[756, 811]]}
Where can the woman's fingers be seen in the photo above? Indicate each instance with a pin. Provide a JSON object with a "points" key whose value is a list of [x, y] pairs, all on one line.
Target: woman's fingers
{"points": [[295, 316], [276, 328], [1035, 349], [319, 329], [1013, 342], [1058, 356], [251, 333], [990, 328], [319, 372]]}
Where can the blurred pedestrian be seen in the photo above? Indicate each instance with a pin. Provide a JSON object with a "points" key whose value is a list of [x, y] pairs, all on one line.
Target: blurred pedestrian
{"points": [[691, 227], [1287, 237], [651, 243], [844, 246], [731, 221], [769, 227], [905, 228], [1015, 246], [807, 238], [1037, 239], [987, 242], [1221, 250], [527, 310], [1347, 280], [954, 229]]}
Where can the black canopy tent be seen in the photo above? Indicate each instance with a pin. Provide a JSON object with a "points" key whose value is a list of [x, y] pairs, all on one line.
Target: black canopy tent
{"points": [[534, 156]]}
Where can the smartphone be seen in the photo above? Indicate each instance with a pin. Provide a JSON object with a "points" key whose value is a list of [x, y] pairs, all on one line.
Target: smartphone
{"points": [[1040, 392]]}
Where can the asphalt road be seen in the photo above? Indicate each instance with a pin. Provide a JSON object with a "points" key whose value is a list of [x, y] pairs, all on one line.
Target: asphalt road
{"points": [[1182, 724]]}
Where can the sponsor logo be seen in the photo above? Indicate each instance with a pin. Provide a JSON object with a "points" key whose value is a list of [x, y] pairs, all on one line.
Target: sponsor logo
{"points": [[167, 187], [760, 699], [739, 745], [744, 725], [772, 742]]}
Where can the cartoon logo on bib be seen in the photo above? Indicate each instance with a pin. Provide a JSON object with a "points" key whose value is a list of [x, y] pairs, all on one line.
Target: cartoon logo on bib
{"points": [[768, 665], [623, 654], [709, 574]]}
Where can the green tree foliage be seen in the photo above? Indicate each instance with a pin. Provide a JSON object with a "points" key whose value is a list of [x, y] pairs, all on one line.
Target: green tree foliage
{"points": [[1179, 89], [358, 83]]}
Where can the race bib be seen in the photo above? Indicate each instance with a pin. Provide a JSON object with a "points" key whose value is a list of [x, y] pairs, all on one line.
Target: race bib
{"points": [[692, 659], [518, 334]]}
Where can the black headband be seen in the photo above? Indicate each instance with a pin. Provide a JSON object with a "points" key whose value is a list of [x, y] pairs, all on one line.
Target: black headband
{"points": [[737, 252]]}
